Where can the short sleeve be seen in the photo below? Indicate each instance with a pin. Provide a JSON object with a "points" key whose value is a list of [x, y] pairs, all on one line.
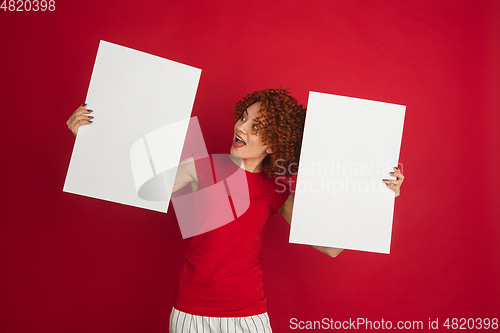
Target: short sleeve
{"points": [[203, 173], [282, 189], [203, 167]]}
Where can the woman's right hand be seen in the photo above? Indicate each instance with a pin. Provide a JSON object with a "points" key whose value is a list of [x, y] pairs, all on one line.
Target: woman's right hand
{"points": [[78, 118]]}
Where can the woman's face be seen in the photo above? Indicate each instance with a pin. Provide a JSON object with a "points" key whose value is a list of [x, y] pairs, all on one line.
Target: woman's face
{"points": [[247, 145]]}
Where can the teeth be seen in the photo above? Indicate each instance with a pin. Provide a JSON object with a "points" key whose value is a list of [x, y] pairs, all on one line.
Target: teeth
{"points": [[238, 137]]}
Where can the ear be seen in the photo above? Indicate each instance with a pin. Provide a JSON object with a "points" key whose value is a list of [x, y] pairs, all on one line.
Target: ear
{"points": [[269, 151]]}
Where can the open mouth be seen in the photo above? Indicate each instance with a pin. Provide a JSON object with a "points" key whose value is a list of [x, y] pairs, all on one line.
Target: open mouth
{"points": [[239, 142]]}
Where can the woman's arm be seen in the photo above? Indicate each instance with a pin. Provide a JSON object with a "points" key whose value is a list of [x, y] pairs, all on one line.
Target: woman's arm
{"points": [[286, 212], [287, 208], [186, 173]]}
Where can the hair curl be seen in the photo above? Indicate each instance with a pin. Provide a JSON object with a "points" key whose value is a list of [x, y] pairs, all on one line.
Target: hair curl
{"points": [[281, 128]]}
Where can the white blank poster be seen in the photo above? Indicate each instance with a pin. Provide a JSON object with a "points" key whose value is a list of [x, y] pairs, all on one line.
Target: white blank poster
{"points": [[349, 146], [142, 107]]}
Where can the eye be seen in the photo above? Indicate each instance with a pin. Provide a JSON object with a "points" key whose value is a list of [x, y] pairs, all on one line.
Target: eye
{"points": [[243, 117], [254, 127]]}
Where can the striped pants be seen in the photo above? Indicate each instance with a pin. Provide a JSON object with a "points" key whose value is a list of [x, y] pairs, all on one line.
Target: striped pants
{"points": [[182, 322]]}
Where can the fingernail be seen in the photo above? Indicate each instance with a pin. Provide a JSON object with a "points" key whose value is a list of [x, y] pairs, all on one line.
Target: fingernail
{"points": [[385, 180], [90, 117], [392, 173], [396, 168], [387, 184], [90, 110], [90, 121], [84, 104]]}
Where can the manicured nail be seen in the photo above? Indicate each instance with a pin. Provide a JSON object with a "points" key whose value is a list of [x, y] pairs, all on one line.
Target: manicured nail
{"points": [[90, 117], [90, 110], [90, 121], [385, 180], [387, 184], [396, 168], [84, 104], [392, 173]]}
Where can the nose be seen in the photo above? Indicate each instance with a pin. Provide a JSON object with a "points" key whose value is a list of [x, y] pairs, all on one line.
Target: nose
{"points": [[242, 127]]}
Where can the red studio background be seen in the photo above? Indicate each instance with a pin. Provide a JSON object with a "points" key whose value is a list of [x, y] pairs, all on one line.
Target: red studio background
{"points": [[70, 263]]}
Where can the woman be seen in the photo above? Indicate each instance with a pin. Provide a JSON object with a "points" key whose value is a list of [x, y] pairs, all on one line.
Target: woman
{"points": [[220, 287]]}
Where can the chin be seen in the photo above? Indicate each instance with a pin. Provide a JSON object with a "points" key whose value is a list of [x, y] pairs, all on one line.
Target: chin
{"points": [[233, 151]]}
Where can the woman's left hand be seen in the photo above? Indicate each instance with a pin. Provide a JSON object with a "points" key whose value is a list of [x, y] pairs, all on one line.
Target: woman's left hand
{"points": [[395, 184]]}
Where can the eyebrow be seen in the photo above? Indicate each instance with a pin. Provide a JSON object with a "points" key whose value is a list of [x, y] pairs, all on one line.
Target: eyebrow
{"points": [[256, 120]]}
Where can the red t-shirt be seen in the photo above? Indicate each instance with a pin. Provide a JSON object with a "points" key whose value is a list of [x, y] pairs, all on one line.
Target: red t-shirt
{"points": [[221, 276]]}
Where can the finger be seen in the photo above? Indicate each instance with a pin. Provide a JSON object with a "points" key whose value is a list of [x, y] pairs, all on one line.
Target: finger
{"points": [[78, 112], [79, 124], [73, 120], [395, 186], [397, 173], [392, 181], [391, 185], [401, 177], [83, 106], [81, 109], [83, 121]]}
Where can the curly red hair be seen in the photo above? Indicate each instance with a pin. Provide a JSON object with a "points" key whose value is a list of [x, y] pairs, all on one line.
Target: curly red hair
{"points": [[281, 128]]}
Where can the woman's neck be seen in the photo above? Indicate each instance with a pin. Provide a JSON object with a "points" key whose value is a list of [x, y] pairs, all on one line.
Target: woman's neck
{"points": [[250, 165]]}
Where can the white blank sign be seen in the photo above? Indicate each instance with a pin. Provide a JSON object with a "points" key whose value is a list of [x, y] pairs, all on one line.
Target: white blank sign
{"points": [[349, 146], [137, 99]]}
